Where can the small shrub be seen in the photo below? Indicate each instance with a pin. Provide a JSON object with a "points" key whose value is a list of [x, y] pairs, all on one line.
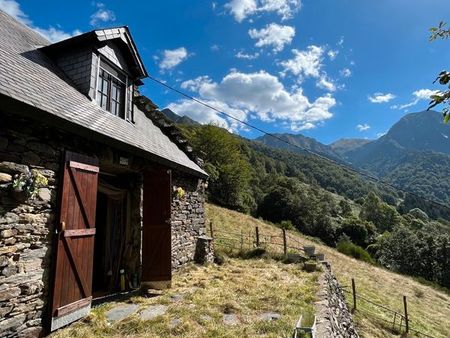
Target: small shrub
{"points": [[348, 248], [286, 225]]}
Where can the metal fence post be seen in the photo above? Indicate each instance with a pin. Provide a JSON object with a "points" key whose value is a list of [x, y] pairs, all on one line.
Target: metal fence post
{"points": [[354, 294], [284, 242]]}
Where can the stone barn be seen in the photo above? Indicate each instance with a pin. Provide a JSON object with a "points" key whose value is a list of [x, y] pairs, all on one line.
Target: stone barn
{"points": [[95, 183]]}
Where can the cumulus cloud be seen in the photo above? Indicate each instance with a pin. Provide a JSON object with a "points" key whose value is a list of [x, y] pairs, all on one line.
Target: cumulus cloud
{"points": [[419, 95], [242, 9], [12, 7], [172, 58], [345, 72], [247, 56], [273, 35], [381, 98], [102, 15], [305, 63], [363, 127], [263, 96]]}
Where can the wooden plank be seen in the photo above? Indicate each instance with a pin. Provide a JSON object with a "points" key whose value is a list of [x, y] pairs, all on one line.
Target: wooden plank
{"points": [[156, 239], [76, 265], [79, 232], [74, 247], [85, 167], [63, 310], [80, 197]]}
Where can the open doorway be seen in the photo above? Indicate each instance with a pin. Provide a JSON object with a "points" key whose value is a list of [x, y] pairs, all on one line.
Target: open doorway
{"points": [[111, 217]]}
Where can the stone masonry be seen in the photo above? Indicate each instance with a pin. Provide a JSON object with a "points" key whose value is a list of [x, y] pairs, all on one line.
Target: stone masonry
{"points": [[188, 219], [334, 319], [27, 220]]}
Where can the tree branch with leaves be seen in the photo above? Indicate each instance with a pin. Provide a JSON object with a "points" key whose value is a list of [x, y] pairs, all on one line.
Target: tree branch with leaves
{"points": [[442, 97]]}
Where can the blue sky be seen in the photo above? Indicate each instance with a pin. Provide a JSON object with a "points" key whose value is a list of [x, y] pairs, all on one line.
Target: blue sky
{"points": [[324, 68]]}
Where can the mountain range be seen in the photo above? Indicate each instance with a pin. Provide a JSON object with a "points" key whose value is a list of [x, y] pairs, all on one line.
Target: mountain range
{"points": [[413, 155]]}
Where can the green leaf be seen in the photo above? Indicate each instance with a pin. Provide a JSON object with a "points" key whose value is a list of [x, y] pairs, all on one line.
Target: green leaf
{"points": [[446, 118]]}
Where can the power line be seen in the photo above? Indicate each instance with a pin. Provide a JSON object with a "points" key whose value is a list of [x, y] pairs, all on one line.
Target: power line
{"points": [[345, 167]]}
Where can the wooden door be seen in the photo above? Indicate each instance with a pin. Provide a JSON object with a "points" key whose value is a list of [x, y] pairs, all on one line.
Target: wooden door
{"points": [[156, 237], [72, 287]]}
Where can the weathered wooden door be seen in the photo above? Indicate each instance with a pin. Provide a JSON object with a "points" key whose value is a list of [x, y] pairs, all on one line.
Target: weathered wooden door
{"points": [[72, 287], [156, 238]]}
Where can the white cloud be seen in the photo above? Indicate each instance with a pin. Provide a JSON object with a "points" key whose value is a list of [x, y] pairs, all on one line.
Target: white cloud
{"points": [[381, 98], [246, 56], [215, 48], [12, 7], [306, 63], [421, 94], [102, 15], [346, 72], [241, 9], [325, 83], [363, 127], [204, 114], [172, 58], [424, 94], [54, 34], [263, 96], [273, 35], [332, 54]]}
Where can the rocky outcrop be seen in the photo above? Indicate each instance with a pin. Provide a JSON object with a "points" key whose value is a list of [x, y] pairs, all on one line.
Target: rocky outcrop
{"points": [[334, 319]]}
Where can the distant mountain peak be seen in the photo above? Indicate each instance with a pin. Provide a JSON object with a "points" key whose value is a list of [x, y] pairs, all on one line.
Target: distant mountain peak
{"points": [[297, 142], [177, 118]]}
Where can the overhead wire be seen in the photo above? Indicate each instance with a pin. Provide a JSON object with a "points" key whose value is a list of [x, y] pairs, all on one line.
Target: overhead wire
{"points": [[309, 151]]}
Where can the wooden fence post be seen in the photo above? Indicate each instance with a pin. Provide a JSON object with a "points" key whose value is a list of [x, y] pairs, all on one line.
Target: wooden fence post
{"points": [[242, 241], [211, 229], [354, 294], [284, 242], [406, 314], [257, 236]]}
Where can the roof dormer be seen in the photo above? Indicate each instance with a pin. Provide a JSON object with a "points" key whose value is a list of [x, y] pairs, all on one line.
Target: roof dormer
{"points": [[104, 65]]}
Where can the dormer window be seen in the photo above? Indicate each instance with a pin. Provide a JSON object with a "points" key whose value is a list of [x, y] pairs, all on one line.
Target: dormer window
{"points": [[111, 90]]}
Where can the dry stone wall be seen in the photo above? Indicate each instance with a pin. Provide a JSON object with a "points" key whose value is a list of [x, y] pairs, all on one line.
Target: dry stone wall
{"points": [[334, 319], [188, 218], [26, 223]]}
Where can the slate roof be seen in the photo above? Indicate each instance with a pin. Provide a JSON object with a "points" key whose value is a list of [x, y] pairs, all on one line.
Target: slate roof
{"points": [[29, 76]]}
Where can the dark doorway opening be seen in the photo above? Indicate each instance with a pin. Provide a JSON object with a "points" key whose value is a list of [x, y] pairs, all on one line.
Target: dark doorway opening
{"points": [[111, 216]]}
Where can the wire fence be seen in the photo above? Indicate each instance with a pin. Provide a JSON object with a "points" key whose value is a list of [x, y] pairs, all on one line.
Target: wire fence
{"points": [[283, 243], [397, 321]]}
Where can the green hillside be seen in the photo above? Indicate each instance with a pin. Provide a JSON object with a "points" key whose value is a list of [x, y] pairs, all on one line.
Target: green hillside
{"points": [[321, 199]]}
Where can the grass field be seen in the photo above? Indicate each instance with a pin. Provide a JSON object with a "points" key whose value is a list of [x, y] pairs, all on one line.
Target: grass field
{"points": [[429, 309], [244, 289]]}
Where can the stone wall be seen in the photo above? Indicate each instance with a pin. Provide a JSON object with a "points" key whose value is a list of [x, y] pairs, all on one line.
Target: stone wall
{"points": [[334, 319], [27, 221], [188, 218], [26, 225]]}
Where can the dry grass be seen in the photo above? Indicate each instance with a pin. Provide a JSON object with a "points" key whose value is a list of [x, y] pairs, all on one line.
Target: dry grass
{"points": [[429, 309], [246, 288]]}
